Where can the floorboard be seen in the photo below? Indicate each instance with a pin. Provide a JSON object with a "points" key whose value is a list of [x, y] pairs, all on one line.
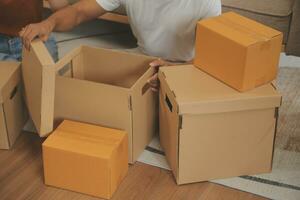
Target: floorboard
{"points": [[21, 177]]}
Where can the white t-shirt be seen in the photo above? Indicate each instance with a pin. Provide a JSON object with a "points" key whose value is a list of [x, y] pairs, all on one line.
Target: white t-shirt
{"points": [[165, 28]]}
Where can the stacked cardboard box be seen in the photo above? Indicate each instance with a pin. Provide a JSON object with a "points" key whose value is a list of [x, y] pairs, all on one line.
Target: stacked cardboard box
{"points": [[238, 51], [13, 113], [208, 129], [86, 158]]}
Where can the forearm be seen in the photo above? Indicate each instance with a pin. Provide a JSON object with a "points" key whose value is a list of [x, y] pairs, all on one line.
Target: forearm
{"points": [[63, 20], [70, 16]]}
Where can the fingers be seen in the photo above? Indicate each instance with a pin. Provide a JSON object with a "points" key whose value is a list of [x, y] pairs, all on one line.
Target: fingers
{"points": [[24, 32], [29, 37], [31, 31], [44, 38], [154, 89], [153, 82], [24, 35], [157, 63]]}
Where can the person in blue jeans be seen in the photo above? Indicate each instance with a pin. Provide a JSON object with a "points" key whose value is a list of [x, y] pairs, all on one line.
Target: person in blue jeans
{"points": [[14, 14], [11, 48]]}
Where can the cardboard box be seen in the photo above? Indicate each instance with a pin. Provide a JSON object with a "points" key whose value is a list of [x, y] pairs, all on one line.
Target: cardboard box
{"points": [[93, 85], [86, 158], [210, 131], [240, 52], [13, 114]]}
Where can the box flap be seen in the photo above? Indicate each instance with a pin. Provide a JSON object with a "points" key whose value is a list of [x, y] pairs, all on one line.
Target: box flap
{"points": [[197, 92], [9, 78], [4, 143], [144, 113], [239, 29], [39, 81], [118, 68], [170, 125], [85, 139]]}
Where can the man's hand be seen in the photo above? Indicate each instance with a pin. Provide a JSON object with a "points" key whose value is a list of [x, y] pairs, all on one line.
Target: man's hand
{"points": [[63, 20], [42, 30], [153, 80]]}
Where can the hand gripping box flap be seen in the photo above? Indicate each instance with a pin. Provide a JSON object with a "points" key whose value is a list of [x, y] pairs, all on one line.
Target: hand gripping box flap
{"points": [[196, 92]]}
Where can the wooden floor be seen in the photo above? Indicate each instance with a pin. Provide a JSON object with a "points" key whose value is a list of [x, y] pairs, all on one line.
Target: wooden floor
{"points": [[21, 177]]}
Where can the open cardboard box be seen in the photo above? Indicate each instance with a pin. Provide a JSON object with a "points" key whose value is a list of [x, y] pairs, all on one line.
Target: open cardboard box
{"points": [[211, 131], [93, 85]]}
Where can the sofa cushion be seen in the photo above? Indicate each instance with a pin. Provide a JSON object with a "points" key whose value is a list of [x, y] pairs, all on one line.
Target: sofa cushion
{"points": [[269, 7]]}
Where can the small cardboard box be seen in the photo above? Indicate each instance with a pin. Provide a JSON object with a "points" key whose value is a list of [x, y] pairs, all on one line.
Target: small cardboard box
{"points": [[238, 51], [211, 131], [86, 158], [93, 85], [13, 114]]}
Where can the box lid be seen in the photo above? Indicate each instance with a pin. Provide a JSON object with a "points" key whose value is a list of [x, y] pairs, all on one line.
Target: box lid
{"points": [[9, 78], [196, 92], [239, 29], [38, 70], [85, 139]]}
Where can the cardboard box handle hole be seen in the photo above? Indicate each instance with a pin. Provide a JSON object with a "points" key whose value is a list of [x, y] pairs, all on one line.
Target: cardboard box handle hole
{"points": [[14, 92], [169, 104]]}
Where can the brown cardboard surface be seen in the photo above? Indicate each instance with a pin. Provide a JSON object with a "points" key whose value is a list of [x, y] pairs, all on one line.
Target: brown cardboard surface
{"points": [[4, 143], [203, 142], [102, 87], [13, 113], [117, 68], [86, 158], [169, 126], [238, 51], [38, 76], [144, 113], [16, 114], [9, 78], [91, 102], [227, 145], [193, 95]]}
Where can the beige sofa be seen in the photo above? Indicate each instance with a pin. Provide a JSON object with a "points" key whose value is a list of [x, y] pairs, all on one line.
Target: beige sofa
{"points": [[283, 15]]}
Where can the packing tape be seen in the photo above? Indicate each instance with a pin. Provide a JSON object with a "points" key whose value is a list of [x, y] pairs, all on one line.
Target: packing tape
{"points": [[250, 32]]}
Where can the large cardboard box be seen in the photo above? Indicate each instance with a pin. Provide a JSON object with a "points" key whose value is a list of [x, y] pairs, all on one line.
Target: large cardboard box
{"points": [[93, 85], [238, 51], [13, 113], [86, 158], [211, 131]]}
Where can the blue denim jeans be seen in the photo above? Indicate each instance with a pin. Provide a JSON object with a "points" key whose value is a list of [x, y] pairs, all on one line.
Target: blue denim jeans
{"points": [[11, 48]]}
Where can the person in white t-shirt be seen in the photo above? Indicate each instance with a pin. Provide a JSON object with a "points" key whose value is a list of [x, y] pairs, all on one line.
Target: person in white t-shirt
{"points": [[163, 28]]}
